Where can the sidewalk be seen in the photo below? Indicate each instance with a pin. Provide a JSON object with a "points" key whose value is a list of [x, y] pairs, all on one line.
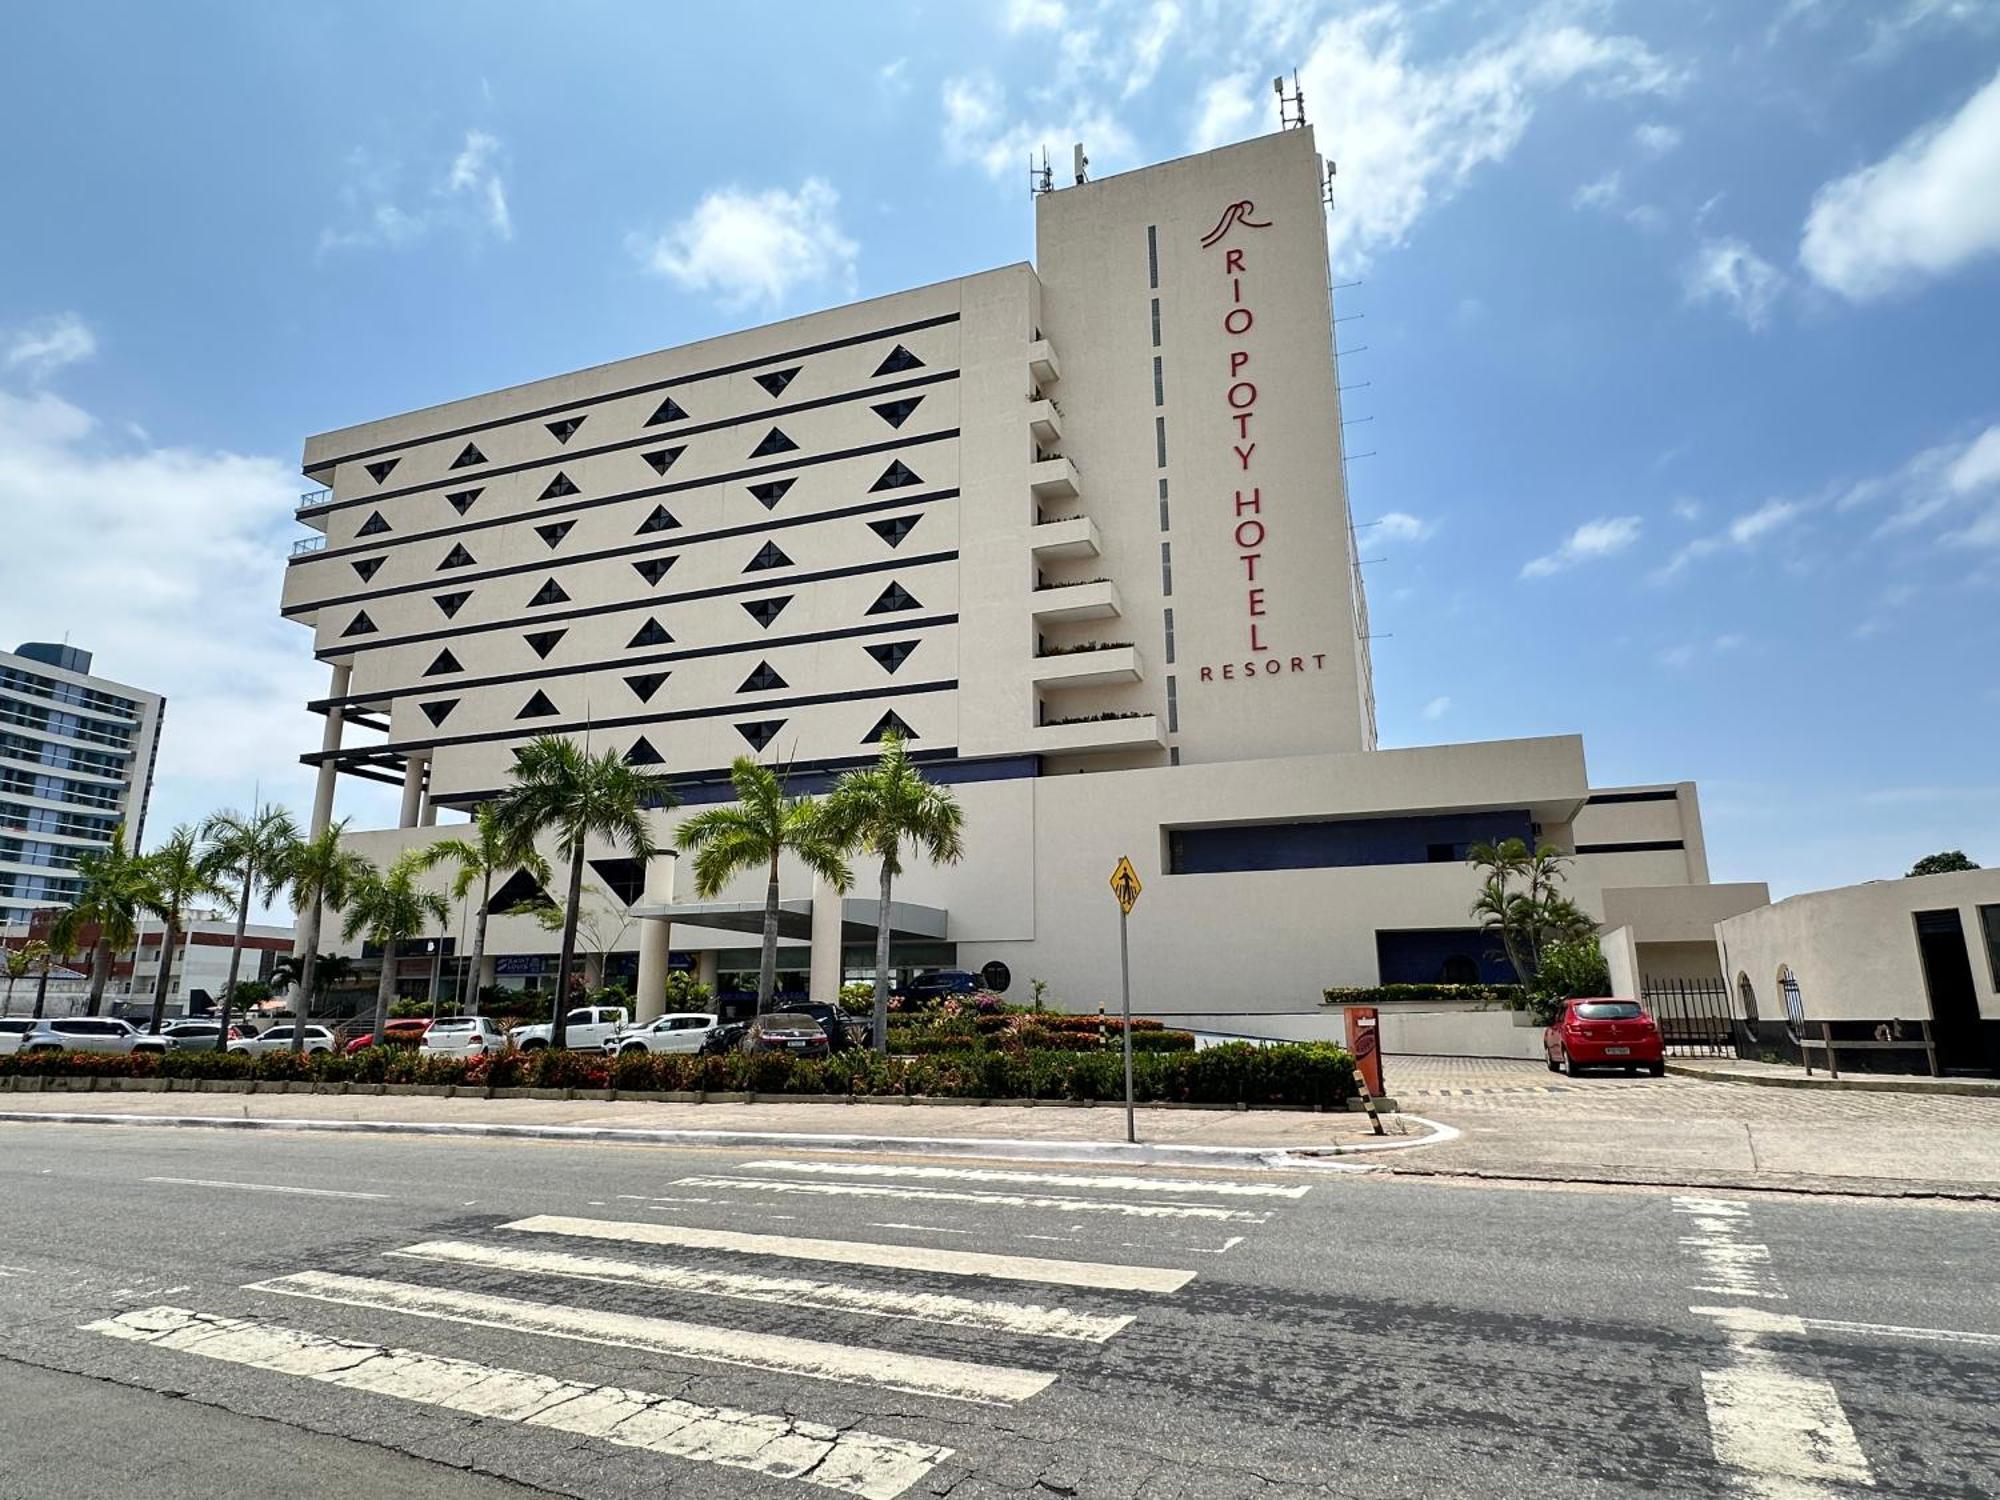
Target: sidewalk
{"points": [[1791, 1076]]}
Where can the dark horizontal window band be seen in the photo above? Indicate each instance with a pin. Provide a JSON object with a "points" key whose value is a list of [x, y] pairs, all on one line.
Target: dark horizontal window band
{"points": [[1639, 846], [381, 544], [1597, 798], [460, 478], [432, 687], [551, 616], [536, 729], [641, 390], [674, 542]]}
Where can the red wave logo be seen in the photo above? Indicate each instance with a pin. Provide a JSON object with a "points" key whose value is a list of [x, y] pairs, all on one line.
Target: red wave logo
{"points": [[1236, 213]]}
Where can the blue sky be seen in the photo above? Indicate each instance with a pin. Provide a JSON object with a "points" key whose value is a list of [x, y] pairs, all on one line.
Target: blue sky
{"points": [[1681, 328]]}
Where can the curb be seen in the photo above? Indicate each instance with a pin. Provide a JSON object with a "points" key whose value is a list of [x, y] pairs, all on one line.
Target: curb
{"points": [[1306, 1157], [1797, 1187], [1861, 1085]]}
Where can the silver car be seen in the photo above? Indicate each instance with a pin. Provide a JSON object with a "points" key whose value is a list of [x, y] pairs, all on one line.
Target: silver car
{"points": [[13, 1029], [279, 1039], [89, 1034], [463, 1036]]}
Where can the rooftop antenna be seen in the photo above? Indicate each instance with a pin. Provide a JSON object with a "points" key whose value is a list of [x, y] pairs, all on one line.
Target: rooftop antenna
{"points": [[1292, 104], [1082, 164], [1326, 188], [1041, 179]]}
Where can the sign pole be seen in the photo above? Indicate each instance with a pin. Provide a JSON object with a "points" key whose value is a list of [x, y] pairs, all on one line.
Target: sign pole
{"points": [[1125, 979]]}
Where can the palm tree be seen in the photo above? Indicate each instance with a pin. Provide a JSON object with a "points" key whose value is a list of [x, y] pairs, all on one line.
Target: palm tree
{"points": [[17, 964], [53, 952], [762, 825], [560, 788], [389, 906], [489, 852], [320, 874], [111, 890], [1528, 918], [879, 810], [179, 874], [255, 847]]}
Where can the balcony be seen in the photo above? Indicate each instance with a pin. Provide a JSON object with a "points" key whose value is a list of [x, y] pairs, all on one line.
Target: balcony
{"points": [[1097, 736], [1096, 600], [1053, 479], [1075, 537], [1045, 423], [307, 544], [1043, 370], [312, 499], [1106, 666]]}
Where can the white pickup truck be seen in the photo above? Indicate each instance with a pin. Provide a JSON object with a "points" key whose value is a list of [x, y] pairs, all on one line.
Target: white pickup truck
{"points": [[584, 1029]]}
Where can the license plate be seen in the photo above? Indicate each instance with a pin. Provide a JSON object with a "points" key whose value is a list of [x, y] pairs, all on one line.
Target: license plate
{"points": [[798, 1046], [1617, 1051]]}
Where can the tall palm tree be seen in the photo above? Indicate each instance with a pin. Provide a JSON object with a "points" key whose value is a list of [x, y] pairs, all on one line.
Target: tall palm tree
{"points": [[179, 873], [53, 952], [254, 847], [111, 890], [879, 810], [754, 832], [17, 964], [560, 788], [1527, 917], [389, 906], [320, 874], [489, 852]]}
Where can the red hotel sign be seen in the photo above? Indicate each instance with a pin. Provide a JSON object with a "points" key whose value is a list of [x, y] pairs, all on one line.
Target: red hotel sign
{"points": [[1251, 527]]}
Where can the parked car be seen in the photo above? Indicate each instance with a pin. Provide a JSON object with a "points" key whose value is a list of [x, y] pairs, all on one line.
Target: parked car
{"points": [[728, 1037], [279, 1039], [404, 1031], [585, 1029], [199, 1036], [89, 1034], [1604, 1033], [928, 989], [463, 1036], [684, 1032], [12, 1030], [843, 1032], [791, 1031]]}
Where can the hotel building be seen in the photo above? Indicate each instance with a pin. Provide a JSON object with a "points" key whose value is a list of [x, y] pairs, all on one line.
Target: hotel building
{"points": [[1078, 530]]}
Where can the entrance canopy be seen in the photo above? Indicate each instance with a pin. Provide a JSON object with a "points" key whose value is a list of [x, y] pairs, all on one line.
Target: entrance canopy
{"points": [[907, 922]]}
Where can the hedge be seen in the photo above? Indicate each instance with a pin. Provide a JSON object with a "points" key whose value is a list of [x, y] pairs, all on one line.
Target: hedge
{"points": [[1035, 1038], [1510, 995], [1307, 1073]]}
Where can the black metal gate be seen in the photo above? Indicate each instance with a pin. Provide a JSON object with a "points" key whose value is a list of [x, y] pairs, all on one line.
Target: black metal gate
{"points": [[1696, 1016]]}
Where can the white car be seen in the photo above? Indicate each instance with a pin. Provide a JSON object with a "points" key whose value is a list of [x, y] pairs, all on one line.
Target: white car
{"points": [[12, 1030], [684, 1032], [585, 1029], [462, 1036], [279, 1039], [88, 1034]]}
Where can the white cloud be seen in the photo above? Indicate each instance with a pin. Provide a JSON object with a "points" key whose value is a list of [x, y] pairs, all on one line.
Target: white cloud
{"points": [[41, 348], [747, 247], [384, 206], [1400, 526], [1224, 111], [1437, 708], [981, 126], [1687, 510], [1656, 139], [1741, 533], [1408, 134], [1590, 541], [1601, 194], [1929, 207], [1035, 15], [473, 171], [1149, 44], [1728, 271], [893, 77], [1979, 465]]}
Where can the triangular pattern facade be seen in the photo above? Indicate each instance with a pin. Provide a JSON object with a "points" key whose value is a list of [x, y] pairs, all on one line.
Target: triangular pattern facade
{"points": [[537, 707], [765, 679], [554, 532], [764, 611], [558, 487], [669, 410], [897, 360], [461, 500], [663, 459], [770, 493], [774, 441], [661, 519], [895, 597], [458, 557], [368, 567], [542, 642], [890, 655], [550, 592], [896, 477], [469, 457], [439, 711], [381, 471], [373, 526], [770, 555], [359, 625], [451, 603], [444, 663], [642, 753], [761, 732], [645, 684], [894, 529], [564, 430], [775, 381], [652, 633], [653, 569], [889, 723], [896, 413]]}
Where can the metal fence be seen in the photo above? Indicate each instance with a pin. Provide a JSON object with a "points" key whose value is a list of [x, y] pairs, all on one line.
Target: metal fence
{"points": [[1697, 1018]]}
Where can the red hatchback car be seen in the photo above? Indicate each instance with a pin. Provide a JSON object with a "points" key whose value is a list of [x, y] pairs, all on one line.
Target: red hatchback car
{"points": [[1604, 1034]]}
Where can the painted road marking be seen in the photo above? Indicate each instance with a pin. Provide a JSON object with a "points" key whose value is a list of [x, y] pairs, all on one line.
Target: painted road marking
{"points": [[1045, 1179], [1099, 1276], [922, 1375], [791, 1291], [850, 1461], [993, 1200], [1895, 1331], [266, 1187]]}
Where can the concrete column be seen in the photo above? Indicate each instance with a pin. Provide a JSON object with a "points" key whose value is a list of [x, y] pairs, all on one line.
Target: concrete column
{"points": [[413, 790], [329, 742], [655, 938], [825, 983], [427, 813], [708, 968], [489, 970]]}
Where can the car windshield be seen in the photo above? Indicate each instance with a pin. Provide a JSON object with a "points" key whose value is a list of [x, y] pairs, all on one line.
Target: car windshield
{"points": [[790, 1020], [1609, 1010]]}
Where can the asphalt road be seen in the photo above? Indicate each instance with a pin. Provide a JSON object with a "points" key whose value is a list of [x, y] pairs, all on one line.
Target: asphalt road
{"points": [[178, 1320]]}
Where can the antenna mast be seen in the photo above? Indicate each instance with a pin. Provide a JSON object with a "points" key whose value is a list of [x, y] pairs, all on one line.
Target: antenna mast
{"points": [[1291, 104]]}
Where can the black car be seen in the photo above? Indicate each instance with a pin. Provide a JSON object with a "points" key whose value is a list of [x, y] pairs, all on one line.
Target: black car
{"points": [[723, 1039], [928, 989], [832, 1020]]}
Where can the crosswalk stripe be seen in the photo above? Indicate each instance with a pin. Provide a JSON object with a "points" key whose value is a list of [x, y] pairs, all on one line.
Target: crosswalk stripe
{"points": [[994, 1200], [1045, 1179], [780, 1447], [1096, 1275], [791, 1291], [919, 1374]]}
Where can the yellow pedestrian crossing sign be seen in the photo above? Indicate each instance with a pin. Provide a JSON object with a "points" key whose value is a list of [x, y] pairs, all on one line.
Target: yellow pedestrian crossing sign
{"points": [[1125, 885]]}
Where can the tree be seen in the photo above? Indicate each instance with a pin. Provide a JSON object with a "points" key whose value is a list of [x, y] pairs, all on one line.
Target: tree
{"points": [[256, 848], [1572, 968], [52, 953], [179, 873], [321, 874], [754, 832], [489, 852], [111, 892], [17, 964], [560, 788], [1945, 862], [1522, 904], [389, 906], [880, 810]]}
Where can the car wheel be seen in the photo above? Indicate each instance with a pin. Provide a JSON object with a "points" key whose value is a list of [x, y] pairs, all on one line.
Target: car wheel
{"points": [[636, 1047], [1656, 1070], [533, 1046], [1570, 1069], [1554, 1066]]}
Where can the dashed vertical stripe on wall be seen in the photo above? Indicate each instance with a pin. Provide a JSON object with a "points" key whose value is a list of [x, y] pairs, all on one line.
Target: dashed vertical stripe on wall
{"points": [[1153, 256], [1173, 706], [1163, 503], [1156, 322], [1159, 382], [1160, 440], [1170, 637], [1167, 569]]}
